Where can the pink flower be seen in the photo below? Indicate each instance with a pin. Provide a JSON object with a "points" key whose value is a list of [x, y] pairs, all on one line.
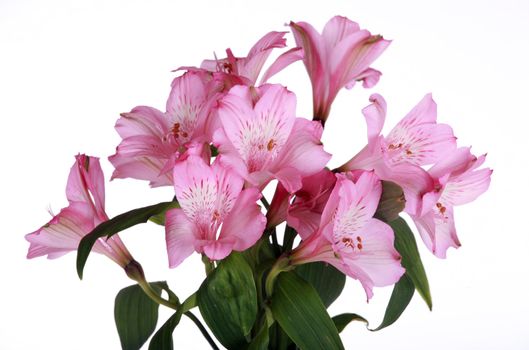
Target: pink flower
{"points": [[350, 239], [216, 215], [305, 212], [153, 140], [457, 181], [307, 203], [248, 68], [261, 138], [85, 191], [338, 57], [417, 140]]}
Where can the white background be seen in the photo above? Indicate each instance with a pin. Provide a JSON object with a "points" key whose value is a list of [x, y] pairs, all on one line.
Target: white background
{"points": [[67, 69]]}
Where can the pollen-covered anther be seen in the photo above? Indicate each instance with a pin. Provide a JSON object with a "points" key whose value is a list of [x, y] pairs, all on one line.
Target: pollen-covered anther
{"points": [[176, 130], [392, 146], [442, 209], [216, 215], [348, 242], [271, 144]]}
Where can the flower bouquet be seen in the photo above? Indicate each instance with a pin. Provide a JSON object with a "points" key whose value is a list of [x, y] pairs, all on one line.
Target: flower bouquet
{"points": [[272, 266]]}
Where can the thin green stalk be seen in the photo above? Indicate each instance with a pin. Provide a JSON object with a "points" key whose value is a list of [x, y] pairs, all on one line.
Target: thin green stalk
{"points": [[202, 329], [151, 293]]}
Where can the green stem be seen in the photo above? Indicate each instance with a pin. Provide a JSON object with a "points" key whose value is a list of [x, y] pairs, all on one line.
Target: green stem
{"points": [[288, 239], [275, 243], [202, 329], [265, 202], [281, 265], [208, 264], [151, 293], [135, 272]]}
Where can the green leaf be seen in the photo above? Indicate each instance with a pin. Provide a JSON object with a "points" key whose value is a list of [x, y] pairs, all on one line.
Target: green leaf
{"points": [[136, 315], [400, 298], [261, 340], [163, 338], [391, 203], [302, 315], [115, 225], [227, 300], [327, 280], [411, 260], [341, 321]]}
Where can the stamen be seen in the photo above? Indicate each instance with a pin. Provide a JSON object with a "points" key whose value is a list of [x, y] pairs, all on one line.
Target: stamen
{"points": [[271, 144]]}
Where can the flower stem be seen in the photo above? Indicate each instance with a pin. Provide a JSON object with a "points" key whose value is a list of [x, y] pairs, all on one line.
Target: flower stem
{"points": [[281, 265], [202, 329], [208, 264], [151, 293]]}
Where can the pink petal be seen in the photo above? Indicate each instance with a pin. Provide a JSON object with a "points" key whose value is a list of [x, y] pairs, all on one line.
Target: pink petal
{"points": [[278, 207], [417, 139], [143, 157], [290, 178], [86, 183], [338, 28], [217, 250], [353, 55], [369, 78], [245, 223], [283, 61], [180, 236], [142, 120], [305, 213], [377, 263], [438, 232], [251, 65], [358, 202], [313, 49], [304, 151], [145, 148], [375, 115], [188, 107]]}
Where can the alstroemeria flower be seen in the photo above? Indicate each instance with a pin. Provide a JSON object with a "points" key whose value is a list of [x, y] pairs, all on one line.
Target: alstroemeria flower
{"points": [[248, 68], [350, 239], [262, 139], [153, 140], [85, 191], [417, 140], [302, 210], [458, 181], [338, 57], [217, 215]]}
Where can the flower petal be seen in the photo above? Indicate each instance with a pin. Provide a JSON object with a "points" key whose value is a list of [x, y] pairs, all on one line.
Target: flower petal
{"points": [[245, 223], [180, 236], [418, 139]]}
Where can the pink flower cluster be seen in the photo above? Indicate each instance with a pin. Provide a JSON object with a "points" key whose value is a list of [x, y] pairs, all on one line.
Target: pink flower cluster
{"points": [[223, 138]]}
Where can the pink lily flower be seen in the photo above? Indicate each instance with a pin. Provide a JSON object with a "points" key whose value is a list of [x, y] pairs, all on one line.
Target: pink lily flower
{"points": [[350, 239], [338, 57], [217, 215], [262, 139], [458, 181], [85, 191], [248, 68], [153, 140], [417, 140]]}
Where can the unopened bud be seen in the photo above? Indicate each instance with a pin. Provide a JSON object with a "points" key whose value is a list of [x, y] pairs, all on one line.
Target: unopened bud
{"points": [[391, 202]]}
